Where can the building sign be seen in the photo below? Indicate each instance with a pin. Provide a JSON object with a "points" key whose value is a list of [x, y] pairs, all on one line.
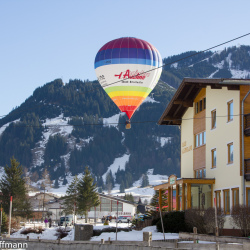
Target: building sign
{"points": [[185, 148], [172, 179], [124, 213]]}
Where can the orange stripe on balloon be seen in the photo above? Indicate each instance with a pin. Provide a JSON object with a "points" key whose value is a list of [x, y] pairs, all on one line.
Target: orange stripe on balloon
{"points": [[130, 101]]}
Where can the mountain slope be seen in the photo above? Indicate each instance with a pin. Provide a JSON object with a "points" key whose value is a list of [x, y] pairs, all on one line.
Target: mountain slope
{"points": [[64, 127]]}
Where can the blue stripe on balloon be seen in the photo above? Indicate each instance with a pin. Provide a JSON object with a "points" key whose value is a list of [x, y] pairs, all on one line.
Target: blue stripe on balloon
{"points": [[127, 61], [127, 53]]}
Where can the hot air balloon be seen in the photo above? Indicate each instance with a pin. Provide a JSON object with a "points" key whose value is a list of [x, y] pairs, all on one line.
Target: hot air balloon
{"points": [[128, 69]]}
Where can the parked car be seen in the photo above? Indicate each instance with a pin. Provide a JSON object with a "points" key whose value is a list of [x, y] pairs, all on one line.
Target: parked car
{"points": [[124, 219], [68, 220]]}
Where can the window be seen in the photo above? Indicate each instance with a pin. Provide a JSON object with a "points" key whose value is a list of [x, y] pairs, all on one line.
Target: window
{"points": [[200, 105], [248, 196], [200, 173], [230, 106], [204, 173], [196, 174], [180, 197], [218, 199], [196, 108], [230, 154], [213, 151], [200, 139], [213, 116], [226, 195], [235, 196]]}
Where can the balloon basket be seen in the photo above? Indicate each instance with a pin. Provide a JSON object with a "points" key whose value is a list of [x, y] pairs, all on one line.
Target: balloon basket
{"points": [[128, 125]]}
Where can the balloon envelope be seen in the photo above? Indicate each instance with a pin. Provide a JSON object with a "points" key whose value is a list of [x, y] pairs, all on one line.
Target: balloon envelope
{"points": [[128, 69]]}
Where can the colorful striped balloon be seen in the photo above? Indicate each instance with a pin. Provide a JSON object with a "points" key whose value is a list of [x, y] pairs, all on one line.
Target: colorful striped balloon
{"points": [[128, 69]]}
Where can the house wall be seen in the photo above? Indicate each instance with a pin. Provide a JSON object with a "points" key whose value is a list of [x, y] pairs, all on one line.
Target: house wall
{"points": [[227, 175], [127, 209], [187, 144]]}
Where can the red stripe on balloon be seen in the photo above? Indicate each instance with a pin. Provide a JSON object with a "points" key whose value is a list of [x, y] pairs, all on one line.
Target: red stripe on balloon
{"points": [[127, 42], [129, 110]]}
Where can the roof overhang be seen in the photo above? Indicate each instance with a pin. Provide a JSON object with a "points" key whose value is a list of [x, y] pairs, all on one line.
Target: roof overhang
{"points": [[186, 93], [185, 181]]}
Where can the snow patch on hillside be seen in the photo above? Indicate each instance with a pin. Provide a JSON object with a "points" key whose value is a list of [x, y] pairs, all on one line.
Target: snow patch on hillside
{"points": [[150, 99], [113, 120], [242, 74], [164, 140], [58, 125], [6, 125], [118, 162], [174, 65], [212, 75]]}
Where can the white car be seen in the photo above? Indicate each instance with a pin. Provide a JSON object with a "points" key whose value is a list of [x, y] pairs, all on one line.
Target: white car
{"points": [[123, 219]]}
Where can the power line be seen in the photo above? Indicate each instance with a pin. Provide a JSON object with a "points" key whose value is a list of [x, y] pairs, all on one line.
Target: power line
{"points": [[168, 63], [114, 123], [183, 58]]}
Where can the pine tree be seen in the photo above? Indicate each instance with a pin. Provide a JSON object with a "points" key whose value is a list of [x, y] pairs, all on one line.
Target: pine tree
{"points": [[129, 197], [13, 184], [109, 181], [155, 200], [122, 187], [87, 194], [71, 196], [65, 181], [145, 181], [139, 201], [56, 184], [4, 226]]}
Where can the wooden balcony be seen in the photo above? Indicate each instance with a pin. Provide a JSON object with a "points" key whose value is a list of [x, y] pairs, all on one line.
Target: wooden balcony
{"points": [[247, 125], [247, 169]]}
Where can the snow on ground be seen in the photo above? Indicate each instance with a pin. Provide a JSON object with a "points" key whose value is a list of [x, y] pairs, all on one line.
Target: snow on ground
{"points": [[113, 120], [145, 193], [49, 234], [134, 235], [118, 162]]}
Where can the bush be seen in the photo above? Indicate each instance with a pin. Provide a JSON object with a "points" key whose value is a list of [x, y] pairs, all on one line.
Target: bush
{"points": [[241, 218], [204, 220], [173, 222], [61, 233], [29, 230]]}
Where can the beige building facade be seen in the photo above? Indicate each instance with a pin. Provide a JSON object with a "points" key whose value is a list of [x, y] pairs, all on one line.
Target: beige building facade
{"points": [[214, 116]]}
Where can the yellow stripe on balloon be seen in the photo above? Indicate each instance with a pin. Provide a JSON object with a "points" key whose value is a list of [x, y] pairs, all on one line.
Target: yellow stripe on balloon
{"points": [[127, 93]]}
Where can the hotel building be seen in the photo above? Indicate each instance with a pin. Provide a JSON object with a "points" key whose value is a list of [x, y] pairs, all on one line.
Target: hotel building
{"points": [[214, 119]]}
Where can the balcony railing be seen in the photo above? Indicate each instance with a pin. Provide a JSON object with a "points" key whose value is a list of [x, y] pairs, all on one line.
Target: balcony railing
{"points": [[247, 169], [247, 124]]}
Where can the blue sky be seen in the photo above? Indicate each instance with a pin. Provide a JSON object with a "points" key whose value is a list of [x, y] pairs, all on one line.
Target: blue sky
{"points": [[41, 40]]}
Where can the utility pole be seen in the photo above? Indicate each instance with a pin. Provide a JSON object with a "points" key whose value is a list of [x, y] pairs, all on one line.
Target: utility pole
{"points": [[43, 199], [1, 220], [10, 215]]}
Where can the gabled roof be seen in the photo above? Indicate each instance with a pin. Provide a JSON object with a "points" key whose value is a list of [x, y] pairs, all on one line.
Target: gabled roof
{"points": [[117, 199], [186, 93]]}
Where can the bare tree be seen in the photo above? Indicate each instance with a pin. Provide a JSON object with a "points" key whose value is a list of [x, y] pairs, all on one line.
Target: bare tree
{"points": [[241, 218]]}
